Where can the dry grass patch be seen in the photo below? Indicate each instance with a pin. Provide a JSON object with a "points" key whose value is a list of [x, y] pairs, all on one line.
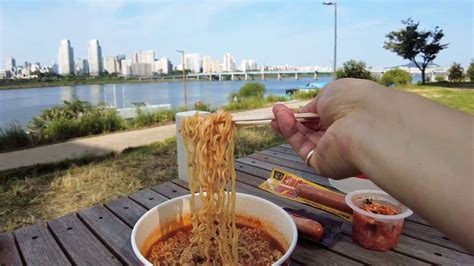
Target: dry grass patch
{"points": [[27, 198]]}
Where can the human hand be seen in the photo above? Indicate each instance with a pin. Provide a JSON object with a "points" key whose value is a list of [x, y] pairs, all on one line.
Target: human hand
{"points": [[344, 108]]}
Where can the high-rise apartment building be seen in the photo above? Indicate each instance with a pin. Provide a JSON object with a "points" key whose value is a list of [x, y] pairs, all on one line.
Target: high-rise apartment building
{"points": [[207, 64], [142, 63], [125, 65], [211, 65], [229, 63], [10, 63], [248, 65], [82, 67], [192, 62], [147, 57], [66, 58], [163, 66], [96, 63], [112, 65]]}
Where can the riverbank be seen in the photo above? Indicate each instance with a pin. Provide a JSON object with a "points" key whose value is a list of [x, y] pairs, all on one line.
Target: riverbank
{"points": [[43, 84], [103, 144], [31, 84]]}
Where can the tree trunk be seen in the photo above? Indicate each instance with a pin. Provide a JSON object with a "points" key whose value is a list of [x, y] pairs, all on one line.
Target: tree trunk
{"points": [[423, 76]]}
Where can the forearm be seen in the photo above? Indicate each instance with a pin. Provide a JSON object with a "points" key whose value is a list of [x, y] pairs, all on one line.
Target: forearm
{"points": [[422, 154]]}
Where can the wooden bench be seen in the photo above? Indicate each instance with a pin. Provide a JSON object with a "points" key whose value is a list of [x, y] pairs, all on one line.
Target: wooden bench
{"points": [[100, 235]]}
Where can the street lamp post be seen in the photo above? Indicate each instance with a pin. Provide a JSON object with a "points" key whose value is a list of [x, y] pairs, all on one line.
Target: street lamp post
{"points": [[335, 33], [184, 80]]}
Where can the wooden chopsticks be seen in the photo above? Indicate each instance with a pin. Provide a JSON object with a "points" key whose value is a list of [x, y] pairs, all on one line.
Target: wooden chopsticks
{"points": [[267, 119]]}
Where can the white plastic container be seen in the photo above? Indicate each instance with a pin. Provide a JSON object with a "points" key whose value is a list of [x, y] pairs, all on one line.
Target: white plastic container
{"points": [[277, 222], [376, 231]]}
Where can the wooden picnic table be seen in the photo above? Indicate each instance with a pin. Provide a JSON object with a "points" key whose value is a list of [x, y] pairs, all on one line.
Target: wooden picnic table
{"points": [[100, 235]]}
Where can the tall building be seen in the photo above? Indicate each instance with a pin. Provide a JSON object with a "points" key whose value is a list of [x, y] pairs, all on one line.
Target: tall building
{"points": [[141, 69], [163, 66], [192, 62], [229, 63], [125, 65], [207, 64], [10, 63], [96, 64], [66, 58], [147, 57], [112, 65], [142, 63], [82, 67], [248, 65]]}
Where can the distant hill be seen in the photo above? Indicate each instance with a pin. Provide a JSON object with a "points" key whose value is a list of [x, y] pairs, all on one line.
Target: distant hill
{"points": [[411, 64]]}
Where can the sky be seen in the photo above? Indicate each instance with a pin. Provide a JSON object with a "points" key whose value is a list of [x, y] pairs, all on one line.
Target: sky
{"points": [[294, 32]]}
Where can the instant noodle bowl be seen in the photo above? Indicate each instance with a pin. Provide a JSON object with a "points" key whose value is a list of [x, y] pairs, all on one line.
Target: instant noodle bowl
{"points": [[251, 211], [376, 231]]}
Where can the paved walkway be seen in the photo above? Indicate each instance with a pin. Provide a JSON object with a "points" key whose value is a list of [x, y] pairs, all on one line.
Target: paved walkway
{"points": [[100, 145]]}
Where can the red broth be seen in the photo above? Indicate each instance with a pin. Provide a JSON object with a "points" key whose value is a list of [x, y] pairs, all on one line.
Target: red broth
{"points": [[169, 247]]}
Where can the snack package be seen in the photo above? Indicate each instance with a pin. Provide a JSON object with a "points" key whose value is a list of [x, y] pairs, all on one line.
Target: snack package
{"points": [[284, 184]]}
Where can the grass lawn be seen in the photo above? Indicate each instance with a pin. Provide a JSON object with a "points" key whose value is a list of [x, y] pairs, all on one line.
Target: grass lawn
{"points": [[28, 197], [457, 98]]}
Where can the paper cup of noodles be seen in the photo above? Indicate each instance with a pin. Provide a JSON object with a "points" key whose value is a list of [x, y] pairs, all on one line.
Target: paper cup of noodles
{"points": [[377, 219]]}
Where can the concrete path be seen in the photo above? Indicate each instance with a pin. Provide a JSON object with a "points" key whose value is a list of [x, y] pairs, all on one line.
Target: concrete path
{"points": [[100, 145]]}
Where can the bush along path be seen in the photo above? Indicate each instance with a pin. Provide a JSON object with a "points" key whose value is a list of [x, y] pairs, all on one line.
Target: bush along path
{"points": [[104, 144]]}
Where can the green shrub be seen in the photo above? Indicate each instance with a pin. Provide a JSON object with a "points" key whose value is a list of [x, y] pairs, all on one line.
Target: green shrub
{"points": [[470, 71], [73, 119], [245, 104], [440, 78], [249, 90], [145, 119], [304, 95], [13, 136], [276, 98], [395, 77], [354, 69], [456, 72]]}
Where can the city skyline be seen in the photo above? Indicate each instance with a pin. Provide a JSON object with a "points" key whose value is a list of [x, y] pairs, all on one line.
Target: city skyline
{"points": [[272, 33]]}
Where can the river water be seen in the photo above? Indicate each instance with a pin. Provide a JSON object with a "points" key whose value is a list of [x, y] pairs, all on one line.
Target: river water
{"points": [[21, 105]]}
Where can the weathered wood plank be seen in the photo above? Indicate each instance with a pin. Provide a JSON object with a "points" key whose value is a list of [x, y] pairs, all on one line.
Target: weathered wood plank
{"points": [[282, 162], [125, 208], [79, 243], [301, 253], [432, 253], [429, 234], [9, 254], [346, 246], [39, 247], [111, 231], [282, 156], [169, 190], [269, 166], [148, 198], [283, 150], [315, 255], [286, 146]]}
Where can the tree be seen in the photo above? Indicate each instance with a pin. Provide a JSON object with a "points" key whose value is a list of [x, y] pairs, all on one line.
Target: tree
{"points": [[418, 46], [470, 71], [353, 69], [395, 77], [456, 72]]}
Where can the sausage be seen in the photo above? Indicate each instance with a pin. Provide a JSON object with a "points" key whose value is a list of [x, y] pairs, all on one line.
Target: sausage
{"points": [[308, 227], [328, 198]]}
